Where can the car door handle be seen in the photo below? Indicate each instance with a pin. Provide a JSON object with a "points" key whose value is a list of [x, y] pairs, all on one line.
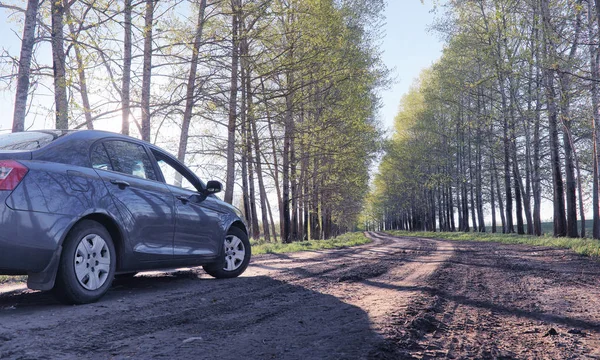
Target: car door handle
{"points": [[183, 199], [121, 183]]}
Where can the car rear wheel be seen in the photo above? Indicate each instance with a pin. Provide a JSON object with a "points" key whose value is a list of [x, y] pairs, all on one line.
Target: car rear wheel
{"points": [[236, 256], [87, 265]]}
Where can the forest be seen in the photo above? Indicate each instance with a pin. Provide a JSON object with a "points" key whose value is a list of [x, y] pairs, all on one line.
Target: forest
{"points": [[503, 130], [276, 98]]}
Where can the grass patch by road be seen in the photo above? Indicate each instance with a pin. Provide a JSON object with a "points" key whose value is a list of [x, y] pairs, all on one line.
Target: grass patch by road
{"points": [[589, 247], [345, 240], [6, 279]]}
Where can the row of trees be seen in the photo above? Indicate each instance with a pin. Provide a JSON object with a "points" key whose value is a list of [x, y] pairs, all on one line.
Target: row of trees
{"points": [[276, 96], [508, 117]]}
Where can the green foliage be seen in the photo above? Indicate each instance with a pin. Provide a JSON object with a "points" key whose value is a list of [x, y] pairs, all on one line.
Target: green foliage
{"points": [[588, 247], [336, 74], [345, 240]]}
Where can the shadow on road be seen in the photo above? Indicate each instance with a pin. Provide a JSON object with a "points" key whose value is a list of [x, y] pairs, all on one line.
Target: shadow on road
{"points": [[180, 315]]}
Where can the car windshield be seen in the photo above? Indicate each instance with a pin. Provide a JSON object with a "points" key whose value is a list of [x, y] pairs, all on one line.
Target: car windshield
{"points": [[29, 140]]}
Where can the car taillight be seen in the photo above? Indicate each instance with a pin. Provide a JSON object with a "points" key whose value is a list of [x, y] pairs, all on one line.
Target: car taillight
{"points": [[11, 174]]}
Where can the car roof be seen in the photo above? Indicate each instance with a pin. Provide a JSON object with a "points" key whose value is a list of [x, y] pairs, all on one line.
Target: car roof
{"points": [[94, 134], [73, 146]]}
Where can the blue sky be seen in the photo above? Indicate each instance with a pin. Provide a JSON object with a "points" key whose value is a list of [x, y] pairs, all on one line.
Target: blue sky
{"points": [[408, 48], [10, 42]]}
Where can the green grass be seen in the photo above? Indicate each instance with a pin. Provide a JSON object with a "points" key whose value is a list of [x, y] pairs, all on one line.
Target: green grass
{"points": [[548, 227], [345, 240], [5, 279], [588, 247]]}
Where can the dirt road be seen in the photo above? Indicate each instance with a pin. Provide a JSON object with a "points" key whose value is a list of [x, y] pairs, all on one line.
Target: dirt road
{"points": [[395, 298]]}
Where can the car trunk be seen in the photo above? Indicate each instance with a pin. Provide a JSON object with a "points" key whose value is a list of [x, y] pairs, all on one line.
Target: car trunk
{"points": [[15, 155]]}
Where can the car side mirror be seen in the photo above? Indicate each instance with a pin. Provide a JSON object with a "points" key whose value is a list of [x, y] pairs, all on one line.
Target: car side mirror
{"points": [[213, 187]]}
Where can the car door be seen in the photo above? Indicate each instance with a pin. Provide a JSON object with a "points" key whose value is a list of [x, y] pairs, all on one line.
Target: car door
{"points": [[199, 226], [145, 203]]}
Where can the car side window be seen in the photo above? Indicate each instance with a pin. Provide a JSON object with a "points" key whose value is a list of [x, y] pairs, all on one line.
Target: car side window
{"points": [[173, 176], [99, 158], [130, 158]]}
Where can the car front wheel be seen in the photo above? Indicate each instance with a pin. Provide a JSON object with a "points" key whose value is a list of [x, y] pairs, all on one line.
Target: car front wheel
{"points": [[87, 265], [236, 256]]}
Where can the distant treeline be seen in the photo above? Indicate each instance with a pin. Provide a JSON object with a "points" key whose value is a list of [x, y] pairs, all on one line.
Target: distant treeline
{"points": [[507, 117]]}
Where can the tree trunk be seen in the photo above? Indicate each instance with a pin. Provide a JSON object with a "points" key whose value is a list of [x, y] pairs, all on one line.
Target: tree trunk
{"points": [[440, 207], [560, 228], [25, 66], [126, 82], [259, 173], [500, 202], [147, 69], [509, 228], [580, 193], [451, 209], [471, 180], [493, 202], [294, 190], [479, 182], [519, 204], [536, 178], [594, 62], [58, 64], [535, 166], [244, 163], [271, 218], [565, 118], [275, 169], [251, 185], [530, 99], [571, 187], [230, 177], [247, 114], [315, 229], [286, 235], [596, 76], [521, 199], [191, 85]]}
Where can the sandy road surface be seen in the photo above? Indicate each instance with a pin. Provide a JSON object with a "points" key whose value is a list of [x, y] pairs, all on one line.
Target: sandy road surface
{"points": [[394, 298], [505, 302]]}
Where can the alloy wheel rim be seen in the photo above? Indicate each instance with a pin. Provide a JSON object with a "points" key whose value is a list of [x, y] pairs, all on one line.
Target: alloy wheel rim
{"points": [[235, 252], [92, 262]]}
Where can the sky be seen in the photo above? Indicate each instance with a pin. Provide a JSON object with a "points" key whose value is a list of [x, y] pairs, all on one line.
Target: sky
{"points": [[9, 41], [408, 48]]}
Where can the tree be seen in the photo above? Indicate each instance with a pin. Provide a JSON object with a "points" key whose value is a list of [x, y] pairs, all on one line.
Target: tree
{"points": [[147, 71], [502, 94], [25, 65], [57, 11], [126, 81], [191, 84]]}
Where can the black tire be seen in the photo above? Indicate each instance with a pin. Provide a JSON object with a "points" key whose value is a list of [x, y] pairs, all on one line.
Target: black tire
{"points": [[68, 288], [218, 269]]}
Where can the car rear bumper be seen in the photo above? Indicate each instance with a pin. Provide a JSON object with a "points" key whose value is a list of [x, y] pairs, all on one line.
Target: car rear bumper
{"points": [[28, 239]]}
